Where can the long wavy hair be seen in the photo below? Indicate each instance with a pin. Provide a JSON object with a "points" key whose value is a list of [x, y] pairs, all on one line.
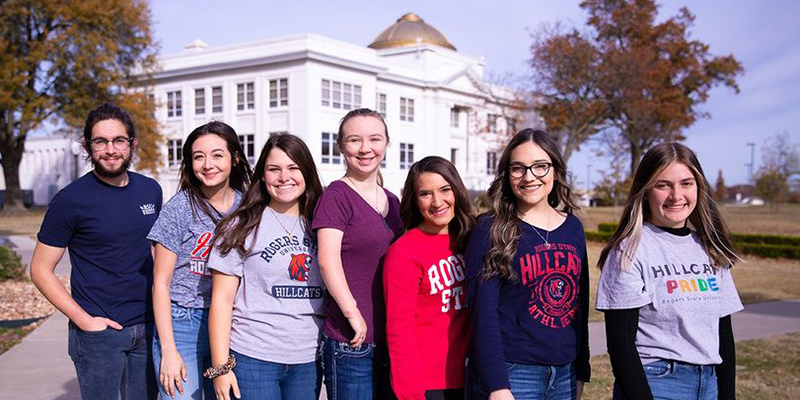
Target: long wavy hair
{"points": [[239, 177], [464, 218], [233, 231], [705, 218], [504, 232]]}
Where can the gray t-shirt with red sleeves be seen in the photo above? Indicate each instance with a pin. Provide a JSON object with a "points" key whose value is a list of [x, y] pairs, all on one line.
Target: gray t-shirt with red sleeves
{"points": [[278, 308], [680, 297], [366, 237]]}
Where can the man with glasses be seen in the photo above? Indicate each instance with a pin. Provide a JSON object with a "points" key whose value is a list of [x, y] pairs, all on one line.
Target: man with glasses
{"points": [[103, 218]]}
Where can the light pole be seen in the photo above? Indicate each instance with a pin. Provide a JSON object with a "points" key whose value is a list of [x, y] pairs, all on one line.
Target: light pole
{"points": [[750, 166]]}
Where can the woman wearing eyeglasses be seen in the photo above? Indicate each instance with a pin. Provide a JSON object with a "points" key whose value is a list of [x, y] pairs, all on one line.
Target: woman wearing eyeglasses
{"points": [[528, 280]]}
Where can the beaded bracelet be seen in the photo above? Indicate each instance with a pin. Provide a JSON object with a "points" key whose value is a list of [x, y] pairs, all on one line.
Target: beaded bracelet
{"points": [[213, 372]]}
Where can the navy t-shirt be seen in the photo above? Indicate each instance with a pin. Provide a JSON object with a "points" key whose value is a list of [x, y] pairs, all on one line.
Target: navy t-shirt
{"points": [[540, 319], [105, 230]]}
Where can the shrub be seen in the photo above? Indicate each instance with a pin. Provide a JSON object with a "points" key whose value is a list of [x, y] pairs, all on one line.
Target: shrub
{"points": [[766, 239], [607, 227], [11, 265], [598, 236], [770, 250]]}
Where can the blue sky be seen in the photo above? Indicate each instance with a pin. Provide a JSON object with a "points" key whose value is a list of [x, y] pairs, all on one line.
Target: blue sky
{"points": [[764, 36]]}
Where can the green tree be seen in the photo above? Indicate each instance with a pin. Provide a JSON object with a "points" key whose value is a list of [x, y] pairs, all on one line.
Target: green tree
{"points": [[60, 59]]}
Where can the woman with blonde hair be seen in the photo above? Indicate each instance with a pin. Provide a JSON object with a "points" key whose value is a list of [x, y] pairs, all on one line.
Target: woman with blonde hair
{"points": [[666, 287]]}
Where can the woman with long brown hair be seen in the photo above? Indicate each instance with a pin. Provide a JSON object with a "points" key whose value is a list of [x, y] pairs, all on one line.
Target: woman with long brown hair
{"points": [[528, 280], [214, 174], [666, 287], [427, 320], [267, 303]]}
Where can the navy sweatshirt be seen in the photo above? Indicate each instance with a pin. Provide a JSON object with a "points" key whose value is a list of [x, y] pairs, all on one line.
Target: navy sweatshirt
{"points": [[539, 319]]}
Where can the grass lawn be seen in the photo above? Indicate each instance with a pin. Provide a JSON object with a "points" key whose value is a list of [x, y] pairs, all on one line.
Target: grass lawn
{"points": [[766, 369], [11, 336], [23, 224]]}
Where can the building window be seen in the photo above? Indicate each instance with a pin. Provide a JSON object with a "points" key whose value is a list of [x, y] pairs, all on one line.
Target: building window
{"points": [[245, 96], [174, 153], [248, 143], [453, 156], [492, 122], [491, 163], [406, 155], [174, 104], [455, 113], [380, 104], [200, 101], [216, 99], [341, 95], [330, 151], [511, 126], [406, 109], [278, 92], [326, 92]]}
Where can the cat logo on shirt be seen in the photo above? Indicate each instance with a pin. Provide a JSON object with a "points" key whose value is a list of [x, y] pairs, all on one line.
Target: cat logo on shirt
{"points": [[299, 267]]}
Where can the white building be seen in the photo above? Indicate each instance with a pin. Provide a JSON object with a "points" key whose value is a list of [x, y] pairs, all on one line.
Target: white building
{"points": [[434, 99]]}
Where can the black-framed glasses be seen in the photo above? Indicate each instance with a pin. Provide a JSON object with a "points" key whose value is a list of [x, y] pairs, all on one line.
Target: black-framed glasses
{"points": [[120, 143], [539, 170]]}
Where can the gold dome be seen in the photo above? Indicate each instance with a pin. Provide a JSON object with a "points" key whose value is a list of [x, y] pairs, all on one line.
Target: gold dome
{"points": [[409, 30]]}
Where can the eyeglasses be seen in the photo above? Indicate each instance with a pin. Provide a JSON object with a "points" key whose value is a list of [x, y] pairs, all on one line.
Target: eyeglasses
{"points": [[120, 143], [538, 170]]}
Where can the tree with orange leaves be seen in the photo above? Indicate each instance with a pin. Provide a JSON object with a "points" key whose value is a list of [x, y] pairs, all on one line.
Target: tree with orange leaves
{"points": [[60, 59]]}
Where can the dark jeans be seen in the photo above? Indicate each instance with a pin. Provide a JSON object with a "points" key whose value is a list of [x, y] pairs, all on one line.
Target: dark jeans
{"points": [[355, 373], [529, 382], [112, 363], [264, 380]]}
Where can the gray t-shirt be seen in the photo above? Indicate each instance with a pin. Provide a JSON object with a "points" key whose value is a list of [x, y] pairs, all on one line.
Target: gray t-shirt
{"points": [[680, 297], [190, 237], [278, 309]]}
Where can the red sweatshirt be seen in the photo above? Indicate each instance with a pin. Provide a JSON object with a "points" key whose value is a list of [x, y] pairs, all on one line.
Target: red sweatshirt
{"points": [[427, 326]]}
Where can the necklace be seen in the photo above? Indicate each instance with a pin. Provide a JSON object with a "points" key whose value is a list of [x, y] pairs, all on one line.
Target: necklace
{"points": [[288, 232], [545, 239], [377, 210]]}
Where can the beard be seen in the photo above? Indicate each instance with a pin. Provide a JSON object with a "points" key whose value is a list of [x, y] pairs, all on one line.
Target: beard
{"points": [[104, 172]]}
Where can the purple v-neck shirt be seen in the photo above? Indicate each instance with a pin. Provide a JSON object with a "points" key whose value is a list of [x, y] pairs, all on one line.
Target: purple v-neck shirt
{"points": [[366, 238]]}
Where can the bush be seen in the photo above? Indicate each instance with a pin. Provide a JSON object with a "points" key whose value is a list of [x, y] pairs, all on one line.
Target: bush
{"points": [[766, 239], [11, 265], [770, 250], [607, 227], [593, 236]]}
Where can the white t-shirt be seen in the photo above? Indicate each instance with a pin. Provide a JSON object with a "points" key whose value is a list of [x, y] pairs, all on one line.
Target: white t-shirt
{"points": [[680, 297], [278, 310]]}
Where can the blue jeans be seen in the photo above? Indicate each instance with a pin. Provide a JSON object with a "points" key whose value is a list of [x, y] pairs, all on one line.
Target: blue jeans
{"points": [[190, 330], [112, 363], [531, 382], [355, 373], [264, 380], [674, 380]]}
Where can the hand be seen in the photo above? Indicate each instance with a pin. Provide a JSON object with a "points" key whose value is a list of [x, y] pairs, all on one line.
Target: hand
{"points": [[578, 390], [97, 324], [173, 372], [223, 385], [359, 327], [502, 394]]}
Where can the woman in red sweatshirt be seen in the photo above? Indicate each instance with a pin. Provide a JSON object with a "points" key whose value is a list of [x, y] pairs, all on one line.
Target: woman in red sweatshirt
{"points": [[427, 327]]}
